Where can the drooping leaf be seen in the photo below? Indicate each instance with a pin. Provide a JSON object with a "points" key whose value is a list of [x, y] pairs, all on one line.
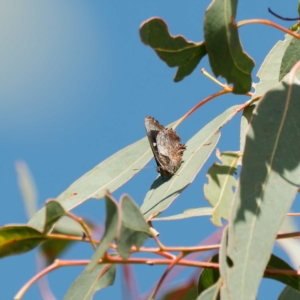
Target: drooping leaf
{"points": [[17, 239], [54, 211], [88, 283], [189, 213], [289, 293], [165, 190], [211, 293], [183, 292], [112, 225], [208, 277], [134, 231], [268, 184], [221, 181], [269, 71], [290, 57], [223, 46], [108, 175], [27, 188], [175, 51]]}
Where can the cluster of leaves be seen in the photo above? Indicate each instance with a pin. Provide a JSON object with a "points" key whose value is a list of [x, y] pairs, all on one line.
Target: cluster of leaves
{"points": [[255, 205]]}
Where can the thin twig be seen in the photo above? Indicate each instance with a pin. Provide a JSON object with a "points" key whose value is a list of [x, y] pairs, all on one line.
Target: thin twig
{"points": [[280, 17], [269, 23], [170, 267], [84, 227]]}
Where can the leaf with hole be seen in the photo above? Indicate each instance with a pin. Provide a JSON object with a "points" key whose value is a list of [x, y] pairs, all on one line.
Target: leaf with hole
{"points": [[268, 184]]}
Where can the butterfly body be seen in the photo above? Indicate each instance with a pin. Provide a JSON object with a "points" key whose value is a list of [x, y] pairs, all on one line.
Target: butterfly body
{"points": [[165, 145]]}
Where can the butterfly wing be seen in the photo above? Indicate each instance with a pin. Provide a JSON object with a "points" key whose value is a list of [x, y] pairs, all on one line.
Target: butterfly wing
{"points": [[153, 128]]}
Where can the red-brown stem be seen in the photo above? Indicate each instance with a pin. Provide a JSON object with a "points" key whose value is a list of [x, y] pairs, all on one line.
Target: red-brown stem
{"points": [[293, 214], [222, 92], [170, 267], [288, 235], [269, 23]]}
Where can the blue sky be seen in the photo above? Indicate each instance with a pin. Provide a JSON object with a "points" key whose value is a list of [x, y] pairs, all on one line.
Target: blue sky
{"points": [[75, 85]]}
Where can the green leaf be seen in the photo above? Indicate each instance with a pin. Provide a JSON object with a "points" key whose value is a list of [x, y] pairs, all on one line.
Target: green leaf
{"points": [[183, 292], [134, 231], [112, 226], [108, 175], [174, 51], [277, 263], [17, 239], [164, 191], [245, 120], [289, 293], [27, 188], [51, 249], [87, 284], [268, 184], [221, 181], [212, 293], [189, 213], [54, 211], [208, 277], [269, 71], [223, 46], [290, 57]]}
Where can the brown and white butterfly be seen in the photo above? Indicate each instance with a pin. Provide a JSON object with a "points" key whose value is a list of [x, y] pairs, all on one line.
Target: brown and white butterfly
{"points": [[166, 147]]}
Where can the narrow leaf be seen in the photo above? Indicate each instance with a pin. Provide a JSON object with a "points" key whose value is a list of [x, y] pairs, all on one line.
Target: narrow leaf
{"points": [[17, 239], [175, 51], [112, 224], [27, 187], [289, 293], [134, 231], [108, 175], [221, 182], [268, 184], [269, 71], [88, 283], [224, 49], [54, 211], [164, 191], [290, 57], [189, 213]]}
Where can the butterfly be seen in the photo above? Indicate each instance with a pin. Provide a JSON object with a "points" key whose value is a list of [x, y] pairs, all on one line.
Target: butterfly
{"points": [[165, 145]]}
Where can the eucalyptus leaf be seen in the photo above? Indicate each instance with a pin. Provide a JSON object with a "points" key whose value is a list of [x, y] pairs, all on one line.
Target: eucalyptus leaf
{"points": [[54, 211], [269, 71], [134, 231], [17, 239], [221, 182], [189, 213], [88, 283], [268, 184], [108, 175], [226, 56], [112, 225], [174, 51]]}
